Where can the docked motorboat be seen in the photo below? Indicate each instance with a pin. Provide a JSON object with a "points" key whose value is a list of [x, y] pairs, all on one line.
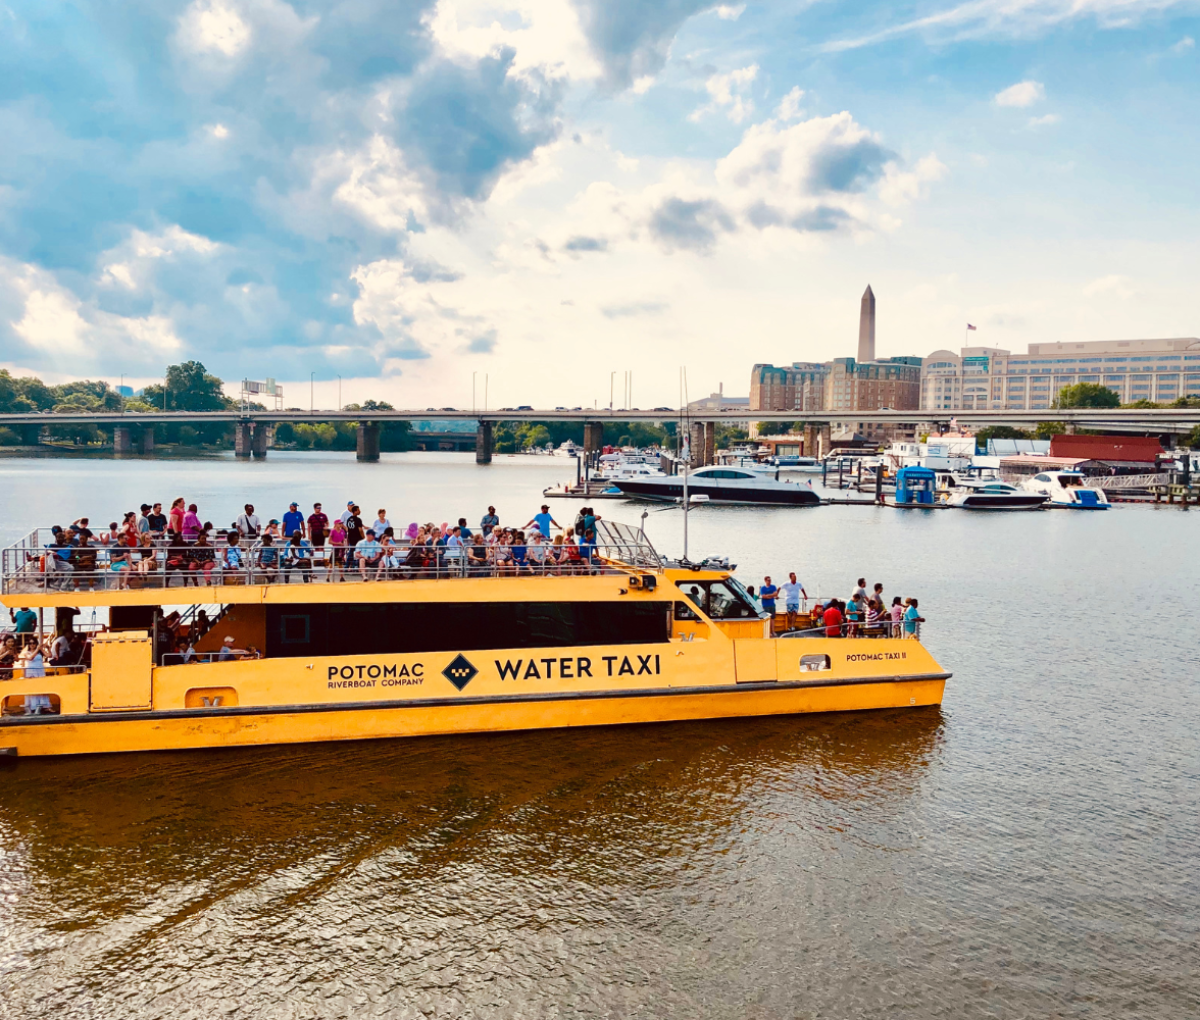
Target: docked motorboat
{"points": [[723, 485], [1067, 490], [802, 465], [989, 494]]}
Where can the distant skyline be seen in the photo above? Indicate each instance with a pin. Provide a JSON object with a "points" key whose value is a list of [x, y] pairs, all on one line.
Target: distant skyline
{"points": [[552, 190]]}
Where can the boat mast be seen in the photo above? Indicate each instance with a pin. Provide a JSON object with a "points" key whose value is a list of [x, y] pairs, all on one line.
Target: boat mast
{"points": [[685, 449]]}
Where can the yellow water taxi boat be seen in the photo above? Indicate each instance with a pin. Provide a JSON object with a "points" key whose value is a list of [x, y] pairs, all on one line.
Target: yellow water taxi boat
{"points": [[450, 648]]}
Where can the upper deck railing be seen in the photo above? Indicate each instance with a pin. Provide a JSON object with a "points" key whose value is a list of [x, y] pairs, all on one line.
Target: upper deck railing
{"points": [[37, 563]]}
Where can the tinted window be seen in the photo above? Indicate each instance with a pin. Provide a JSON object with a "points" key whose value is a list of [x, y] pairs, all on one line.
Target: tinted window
{"points": [[460, 626]]}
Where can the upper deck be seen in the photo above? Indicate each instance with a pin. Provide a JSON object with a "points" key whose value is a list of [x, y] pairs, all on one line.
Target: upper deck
{"points": [[37, 570]]}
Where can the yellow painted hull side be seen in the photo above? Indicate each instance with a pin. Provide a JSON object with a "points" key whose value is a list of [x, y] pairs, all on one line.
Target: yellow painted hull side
{"points": [[414, 720]]}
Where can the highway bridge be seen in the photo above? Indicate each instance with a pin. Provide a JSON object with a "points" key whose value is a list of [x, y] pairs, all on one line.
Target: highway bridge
{"points": [[133, 431]]}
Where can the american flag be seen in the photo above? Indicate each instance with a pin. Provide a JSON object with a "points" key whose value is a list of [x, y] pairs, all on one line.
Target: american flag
{"points": [[969, 326]]}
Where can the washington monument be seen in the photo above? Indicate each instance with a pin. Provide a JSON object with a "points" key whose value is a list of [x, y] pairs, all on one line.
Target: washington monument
{"points": [[866, 327]]}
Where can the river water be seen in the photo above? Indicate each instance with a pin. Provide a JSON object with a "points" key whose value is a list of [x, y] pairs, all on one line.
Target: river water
{"points": [[1027, 850]]}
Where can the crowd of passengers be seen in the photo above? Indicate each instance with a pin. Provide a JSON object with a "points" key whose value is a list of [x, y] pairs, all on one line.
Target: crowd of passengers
{"points": [[154, 548], [863, 614]]}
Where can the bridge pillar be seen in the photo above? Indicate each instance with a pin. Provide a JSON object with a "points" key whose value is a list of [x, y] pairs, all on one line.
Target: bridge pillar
{"points": [[593, 437], [122, 441], [703, 443], [259, 437], [824, 440], [242, 440], [1069, 427], [146, 441], [483, 443], [31, 435], [810, 440], [368, 442]]}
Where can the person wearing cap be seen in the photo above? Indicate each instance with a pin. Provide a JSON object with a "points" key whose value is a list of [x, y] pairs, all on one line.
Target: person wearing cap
{"points": [[543, 521], [228, 652], [349, 511], [272, 528], [293, 520], [318, 527], [143, 523]]}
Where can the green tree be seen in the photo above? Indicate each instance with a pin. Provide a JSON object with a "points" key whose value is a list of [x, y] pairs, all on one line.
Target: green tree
{"points": [[1185, 402], [775, 428], [1142, 405], [1087, 394], [997, 432], [1048, 429], [189, 387]]}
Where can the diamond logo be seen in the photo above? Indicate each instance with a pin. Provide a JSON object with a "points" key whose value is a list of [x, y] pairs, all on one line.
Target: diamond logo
{"points": [[460, 672]]}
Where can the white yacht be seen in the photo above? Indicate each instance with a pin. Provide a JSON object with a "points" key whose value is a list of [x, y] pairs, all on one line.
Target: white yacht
{"points": [[1067, 490], [723, 485], [989, 494]]}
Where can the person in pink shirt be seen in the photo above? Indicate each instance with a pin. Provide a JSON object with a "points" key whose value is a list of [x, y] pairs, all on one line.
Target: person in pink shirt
{"points": [[191, 525]]}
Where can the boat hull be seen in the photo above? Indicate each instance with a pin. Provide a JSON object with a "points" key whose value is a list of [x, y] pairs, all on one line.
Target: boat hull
{"points": [[998, 503], [369, 721], [734, 494]]}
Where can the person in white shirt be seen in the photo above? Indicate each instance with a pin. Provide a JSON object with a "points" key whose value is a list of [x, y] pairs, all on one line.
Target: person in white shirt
{"points": [[792, 591], [349, 511], [381, 524], [248, 524]]}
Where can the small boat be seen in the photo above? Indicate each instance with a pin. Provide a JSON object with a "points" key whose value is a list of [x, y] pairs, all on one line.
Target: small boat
{"points": [[980, 494], [1067, 490], [803, 465], [722, 485]]}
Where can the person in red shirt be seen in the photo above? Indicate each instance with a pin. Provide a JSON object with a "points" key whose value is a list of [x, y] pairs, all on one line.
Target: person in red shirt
{"points": [[832, 618], [318, 527]]}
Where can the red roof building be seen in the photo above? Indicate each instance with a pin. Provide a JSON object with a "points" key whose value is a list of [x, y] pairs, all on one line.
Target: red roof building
{"points": [[1110, 449]]}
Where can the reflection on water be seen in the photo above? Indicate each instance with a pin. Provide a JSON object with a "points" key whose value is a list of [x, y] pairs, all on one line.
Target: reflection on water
{"points": [[1028, 850], [469, 871]]}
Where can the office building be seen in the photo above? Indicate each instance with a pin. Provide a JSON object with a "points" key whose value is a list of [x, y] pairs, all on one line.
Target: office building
{"points": [[980, 378]]}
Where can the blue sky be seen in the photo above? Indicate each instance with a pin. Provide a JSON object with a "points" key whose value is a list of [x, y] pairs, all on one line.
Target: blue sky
{"points": [[552, 190]]}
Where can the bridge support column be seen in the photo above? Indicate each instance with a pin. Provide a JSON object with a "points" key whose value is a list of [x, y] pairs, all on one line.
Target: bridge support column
{"points": [[122, 441], [31, 435], [259, 438], [483, 443], [368, 442], [810, 440], [1069, 427], [593, 437], [824, 441], [146, 440], [703, 443], [242, 440]]}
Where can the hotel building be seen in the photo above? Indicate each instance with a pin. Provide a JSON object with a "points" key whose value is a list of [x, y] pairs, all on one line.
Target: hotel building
{"points": [[981, 378]]}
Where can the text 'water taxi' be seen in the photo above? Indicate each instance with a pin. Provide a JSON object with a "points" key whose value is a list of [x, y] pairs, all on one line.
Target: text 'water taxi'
{"points": [[449, 648]]}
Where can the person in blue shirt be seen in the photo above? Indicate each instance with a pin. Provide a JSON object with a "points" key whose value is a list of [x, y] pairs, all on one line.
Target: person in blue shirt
{"points": [[767, 594], [854, 615], [543, 521], [268, 559], [369, 551], [25, 620], [293, 521], [517, 551], [911, 618], [587, 549]]}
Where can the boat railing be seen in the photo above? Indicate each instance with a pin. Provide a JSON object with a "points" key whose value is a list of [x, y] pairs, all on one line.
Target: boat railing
{"points": [[37, 564]]}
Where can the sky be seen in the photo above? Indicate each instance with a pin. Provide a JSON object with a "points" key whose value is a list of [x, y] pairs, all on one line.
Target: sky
{"points": [[418, 197]]}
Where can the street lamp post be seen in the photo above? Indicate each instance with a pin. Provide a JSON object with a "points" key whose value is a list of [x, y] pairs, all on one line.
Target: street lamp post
{"points": [[312, 376]]}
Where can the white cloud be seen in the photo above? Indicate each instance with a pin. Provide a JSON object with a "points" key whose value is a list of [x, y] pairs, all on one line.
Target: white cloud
{"points": [[899, 186], [70, 334], [219, 131], [726, 91], [1044, 121], [1113, 285], [789, 105], [1022, 94], [1184, 44], [730, 12], [546, 34], [208, 26]]}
